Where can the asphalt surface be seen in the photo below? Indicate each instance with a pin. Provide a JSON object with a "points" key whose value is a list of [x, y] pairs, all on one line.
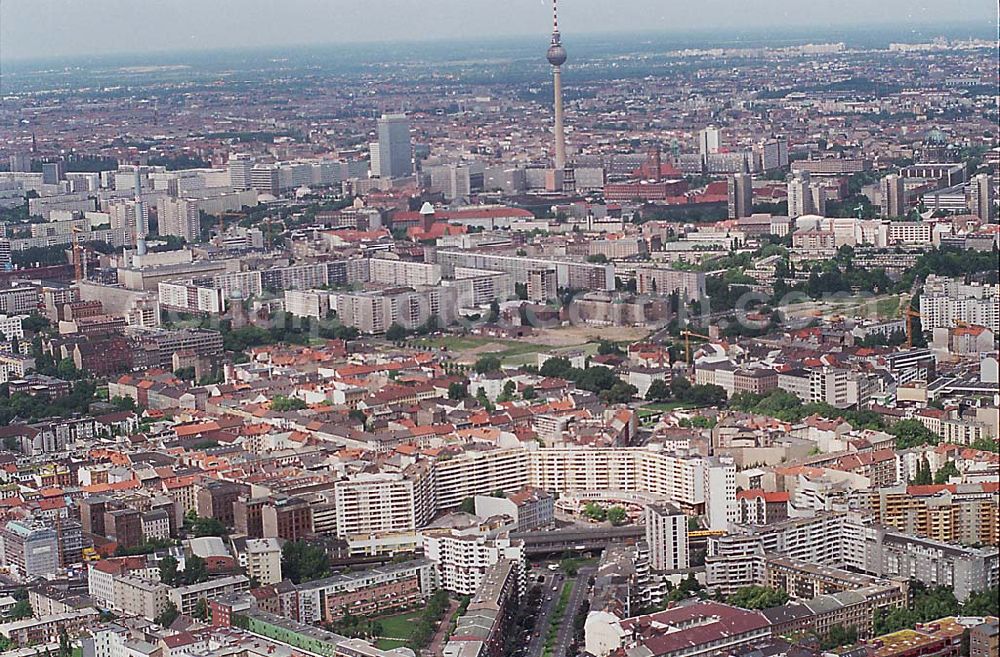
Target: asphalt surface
{"points": [[541, 629], [581, 590]]}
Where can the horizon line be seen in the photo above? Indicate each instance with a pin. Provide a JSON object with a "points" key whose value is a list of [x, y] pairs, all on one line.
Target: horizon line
{"points": [[936, 26]]}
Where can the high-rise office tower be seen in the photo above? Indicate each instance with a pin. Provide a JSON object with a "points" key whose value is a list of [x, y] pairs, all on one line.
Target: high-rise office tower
{"points": [[132, 217], [20, 162], [542, 285], [740, 195], [980, 196], [6, 264], [240, 166], [893, 196], [53, 172], [774, 154], [817, 199], [374, 159], [557, 57], [709, 140], [799, 196], [395, 150]]}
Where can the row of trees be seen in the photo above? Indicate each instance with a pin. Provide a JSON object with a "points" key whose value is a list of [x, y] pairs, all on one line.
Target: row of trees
{"points": [[598, 379], [928, 604]]}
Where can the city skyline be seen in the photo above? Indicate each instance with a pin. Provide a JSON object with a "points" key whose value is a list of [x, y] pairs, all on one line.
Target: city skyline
{"points": [[30, 31]]}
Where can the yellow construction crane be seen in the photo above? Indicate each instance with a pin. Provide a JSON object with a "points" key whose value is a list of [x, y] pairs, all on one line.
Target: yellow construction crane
{"points": [[687, 343], [910, 313]]}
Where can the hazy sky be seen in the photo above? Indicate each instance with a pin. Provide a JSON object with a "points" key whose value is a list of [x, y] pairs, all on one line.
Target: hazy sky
{"points": [[44, 28]]}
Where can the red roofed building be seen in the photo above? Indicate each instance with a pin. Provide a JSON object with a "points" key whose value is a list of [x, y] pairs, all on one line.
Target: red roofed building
{"points": [[489, 217], [703, 628]]}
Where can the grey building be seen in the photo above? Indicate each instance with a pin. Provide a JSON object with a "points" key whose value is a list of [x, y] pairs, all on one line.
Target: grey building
{"points": [[395, 150]]}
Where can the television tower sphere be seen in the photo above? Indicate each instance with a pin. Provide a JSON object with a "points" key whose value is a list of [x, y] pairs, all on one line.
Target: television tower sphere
{"points": [[556, 54]]}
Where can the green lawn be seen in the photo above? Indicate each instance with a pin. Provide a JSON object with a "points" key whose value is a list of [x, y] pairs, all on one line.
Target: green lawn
{"points": [[888, 308], [399, 627]]}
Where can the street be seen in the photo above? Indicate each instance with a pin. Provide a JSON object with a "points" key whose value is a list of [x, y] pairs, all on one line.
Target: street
{"points": [[541, 629], [581, 589]]}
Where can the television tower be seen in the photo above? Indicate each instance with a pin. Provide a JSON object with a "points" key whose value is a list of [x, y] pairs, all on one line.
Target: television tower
{"points": [[557, 57]]}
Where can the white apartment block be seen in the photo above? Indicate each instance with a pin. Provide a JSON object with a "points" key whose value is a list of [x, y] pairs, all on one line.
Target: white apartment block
{"points": [[134, 596], [307, 303], [11, 328], [690, 285], [569, 274], [186, 598], [667, 537], [381, 512], [475, 288], [263, 560], [721, 508], [130, 217], [461, 561], [375, 312], [188, 297], [403, 272], [180, 217], [945, 301]]}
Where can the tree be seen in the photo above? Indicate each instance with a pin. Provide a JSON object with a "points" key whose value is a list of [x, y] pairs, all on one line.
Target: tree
{"points": [[679, 387], [201, 609], [617, 516], [66, 369], [658, 391], [923, 476], [487, 364], [619, 393], [281, 403], [168, 616], [595, 511], [123, 403], [65, 644], [21, 609], [557, 367], [457, 391], [945, 472], [986, 444], [195, 570], [199, 526], [839, 636], [484, 400], [528, 393], [758, 597], [468, 505], [304, 562], [912, 433], [395, 333], [509, 389], [604, 348], [168, 570], [598, 258]]}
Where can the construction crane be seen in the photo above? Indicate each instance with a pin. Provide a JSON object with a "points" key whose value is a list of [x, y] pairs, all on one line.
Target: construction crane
{"points": [[687, 343], [910, 313]]}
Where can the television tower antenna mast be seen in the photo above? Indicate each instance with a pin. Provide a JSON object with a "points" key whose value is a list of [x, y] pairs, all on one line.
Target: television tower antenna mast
{"points": [[557, 57]]}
